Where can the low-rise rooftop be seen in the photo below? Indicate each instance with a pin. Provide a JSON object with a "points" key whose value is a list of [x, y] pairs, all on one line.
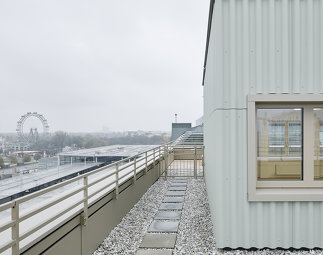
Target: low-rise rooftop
{"points": [[111, 150]]}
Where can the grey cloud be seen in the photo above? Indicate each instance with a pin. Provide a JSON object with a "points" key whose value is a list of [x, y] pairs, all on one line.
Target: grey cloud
{"points": [[86, 64]]}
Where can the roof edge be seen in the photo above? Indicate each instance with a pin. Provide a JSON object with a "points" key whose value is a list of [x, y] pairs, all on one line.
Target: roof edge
{"points": [[208, 37]]}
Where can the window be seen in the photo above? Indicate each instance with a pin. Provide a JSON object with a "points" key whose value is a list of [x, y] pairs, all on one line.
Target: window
{"points": [[279, 133], [285, 147], [318, 143]]}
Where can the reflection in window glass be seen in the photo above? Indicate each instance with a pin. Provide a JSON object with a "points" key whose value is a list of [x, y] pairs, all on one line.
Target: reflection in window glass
{"points": [[295, 138], [276, 138], [318, 143], [280, 143]]}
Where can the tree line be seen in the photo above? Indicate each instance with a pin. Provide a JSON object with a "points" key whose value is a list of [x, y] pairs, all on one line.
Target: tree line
{"points": [[62, 139]]}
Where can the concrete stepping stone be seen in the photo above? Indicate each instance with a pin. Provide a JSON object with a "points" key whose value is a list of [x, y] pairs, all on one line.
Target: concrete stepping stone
{"points": [[173, 199], [164, 226], [179, 181], [154, 252], [177, 188], [179, 184], [159, 240], [175, 193], [171, 206], [168, 215]]}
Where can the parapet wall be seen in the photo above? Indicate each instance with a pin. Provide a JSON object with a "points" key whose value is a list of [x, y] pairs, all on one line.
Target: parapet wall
{"points": [[73, 237]]}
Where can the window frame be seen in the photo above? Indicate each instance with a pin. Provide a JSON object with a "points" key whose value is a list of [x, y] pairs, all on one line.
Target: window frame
{"points": [[307, 189]]}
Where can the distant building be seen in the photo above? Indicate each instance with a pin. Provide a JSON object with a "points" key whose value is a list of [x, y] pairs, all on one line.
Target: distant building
{"points": [[105, 154], [180, 128], [16, 147]]}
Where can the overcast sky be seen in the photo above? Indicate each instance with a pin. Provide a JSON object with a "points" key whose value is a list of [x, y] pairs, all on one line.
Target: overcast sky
{"points": [[86, 65]]}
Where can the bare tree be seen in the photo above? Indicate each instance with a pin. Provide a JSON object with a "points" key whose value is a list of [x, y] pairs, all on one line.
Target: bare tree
{"points": [[1, 162], [26, 158]]}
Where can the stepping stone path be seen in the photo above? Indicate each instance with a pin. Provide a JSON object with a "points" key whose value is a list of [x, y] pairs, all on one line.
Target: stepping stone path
{"points": [[161, 236]]}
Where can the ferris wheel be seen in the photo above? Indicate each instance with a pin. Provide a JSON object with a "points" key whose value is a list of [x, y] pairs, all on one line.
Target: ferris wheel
{"points": [[33, 134]]}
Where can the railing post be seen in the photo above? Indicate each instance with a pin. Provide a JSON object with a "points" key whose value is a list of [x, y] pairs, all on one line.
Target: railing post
{"points": [[146, 169], [15, 228], [165, 160], [160, 169], [203, 159], [117, 181], [135, 170], [85, 204], [195, 163], [154, 156], [159, 152]]}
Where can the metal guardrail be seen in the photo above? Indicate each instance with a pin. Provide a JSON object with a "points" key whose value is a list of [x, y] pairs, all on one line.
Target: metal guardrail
{"points": [[119, 171], [87, 188], [188, 162]]}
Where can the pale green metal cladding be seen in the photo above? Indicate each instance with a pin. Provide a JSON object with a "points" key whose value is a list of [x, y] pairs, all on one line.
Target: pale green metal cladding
{"points": [[257, 46]]}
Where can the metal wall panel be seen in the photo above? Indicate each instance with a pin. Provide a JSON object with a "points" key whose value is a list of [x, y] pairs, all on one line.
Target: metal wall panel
{"points": [[266, 46], [257, 46]]}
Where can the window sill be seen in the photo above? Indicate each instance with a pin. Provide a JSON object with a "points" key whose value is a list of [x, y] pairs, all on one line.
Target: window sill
{"points": [[286, 194]]}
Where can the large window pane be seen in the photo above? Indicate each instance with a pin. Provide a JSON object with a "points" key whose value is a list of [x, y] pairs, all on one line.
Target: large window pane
{"points": [[318, 143], [280, 143]]}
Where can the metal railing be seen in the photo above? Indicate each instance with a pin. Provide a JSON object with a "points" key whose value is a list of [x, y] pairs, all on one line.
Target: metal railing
{"points": [[26, 223], [26, 220], [188, 161]]}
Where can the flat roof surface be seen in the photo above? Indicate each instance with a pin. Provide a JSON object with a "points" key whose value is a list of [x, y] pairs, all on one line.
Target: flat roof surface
{"points": [[34, 178], [112, 150]]}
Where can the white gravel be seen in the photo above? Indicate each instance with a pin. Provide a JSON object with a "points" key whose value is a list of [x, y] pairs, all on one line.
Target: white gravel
{"points": [[196, 229], [126, 237], [195, 235]]}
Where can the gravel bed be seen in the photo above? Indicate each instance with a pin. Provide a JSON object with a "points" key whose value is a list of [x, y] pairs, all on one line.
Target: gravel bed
{"points": [[126, 237], [195, 234]]}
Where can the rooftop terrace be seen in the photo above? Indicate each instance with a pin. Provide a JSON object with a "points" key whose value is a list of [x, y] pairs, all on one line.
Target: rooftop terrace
{"points": [[154, 202], [139, 234]]}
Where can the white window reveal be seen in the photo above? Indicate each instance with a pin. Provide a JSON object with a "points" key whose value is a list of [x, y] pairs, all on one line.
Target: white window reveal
{"points": [[285, 147]]}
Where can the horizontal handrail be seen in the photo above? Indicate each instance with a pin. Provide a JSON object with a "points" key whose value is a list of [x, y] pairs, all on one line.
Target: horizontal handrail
{"points": [[100, 189], [44, 223], [122, 176], [7, 245], [7, 206], [5, 226], [101, 179], [46, 206], [48, 189], [126, 166], [129, 167]]}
